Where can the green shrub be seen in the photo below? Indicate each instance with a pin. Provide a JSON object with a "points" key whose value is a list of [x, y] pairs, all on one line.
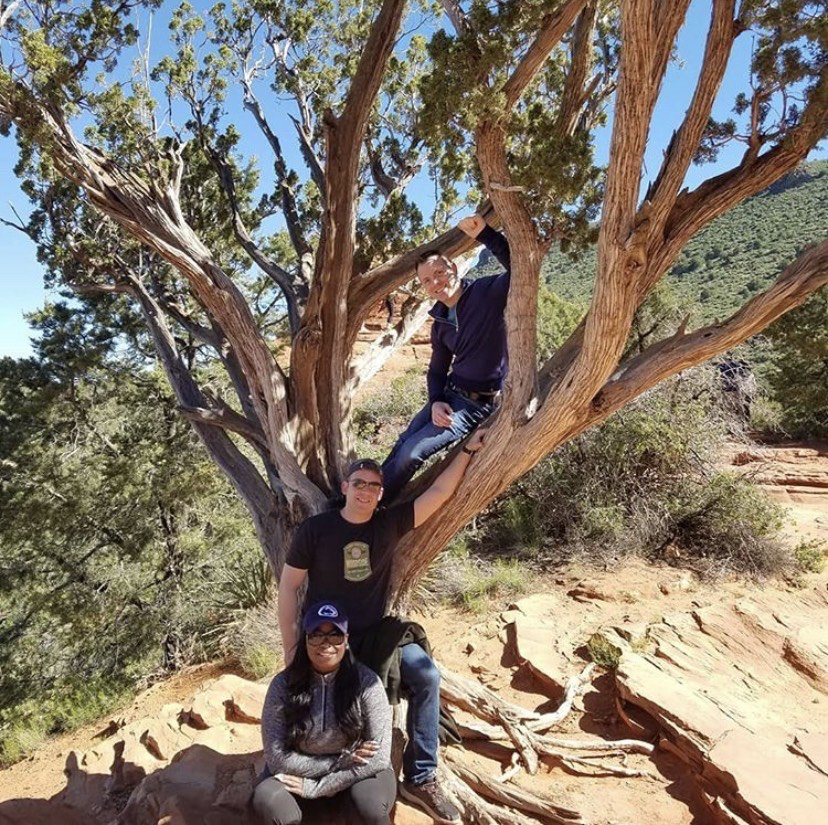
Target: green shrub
{"points": [[643, 479], [799, 375], [252, 639], [603, 652], [504, 578], [810, 555], [385, 413], [459, 578], [26, 725]]}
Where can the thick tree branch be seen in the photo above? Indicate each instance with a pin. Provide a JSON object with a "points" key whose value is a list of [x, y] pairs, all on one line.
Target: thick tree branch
{"points": [[526, 253], [649, 30], [150, 211], [552, 30], [372, 286], [227, 419], [804, 276], [322, 349], [353, 121]]}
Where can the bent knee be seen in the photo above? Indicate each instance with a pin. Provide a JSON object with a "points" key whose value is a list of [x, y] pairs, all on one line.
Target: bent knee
{"points": [[371, 808], [274, 804]]}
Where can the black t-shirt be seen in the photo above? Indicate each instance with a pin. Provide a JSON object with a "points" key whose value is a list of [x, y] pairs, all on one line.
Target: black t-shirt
{"points": [[351, 563]]}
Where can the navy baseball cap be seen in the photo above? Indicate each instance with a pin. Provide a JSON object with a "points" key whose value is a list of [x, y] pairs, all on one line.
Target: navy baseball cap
{"points": [[364, 464], [327, 611]]}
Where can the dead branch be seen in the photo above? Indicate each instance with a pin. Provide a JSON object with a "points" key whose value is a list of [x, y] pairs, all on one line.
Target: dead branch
{"points": [[414, 315], [574, 687]]}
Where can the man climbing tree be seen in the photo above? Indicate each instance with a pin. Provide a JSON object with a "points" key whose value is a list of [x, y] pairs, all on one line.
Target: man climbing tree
{"points": [[143, 216], [468, 355]]}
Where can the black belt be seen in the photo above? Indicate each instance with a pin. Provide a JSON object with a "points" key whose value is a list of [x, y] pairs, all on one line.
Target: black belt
{"points": [[488, 397]]}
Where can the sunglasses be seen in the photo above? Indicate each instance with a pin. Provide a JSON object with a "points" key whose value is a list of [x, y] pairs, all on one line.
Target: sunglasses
{"points": [[335, 638], [361, 484]]}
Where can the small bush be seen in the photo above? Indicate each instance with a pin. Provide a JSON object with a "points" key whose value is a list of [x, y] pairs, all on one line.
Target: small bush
{"points": [[384, 414], [810, 555], [506, 577], [253, 640], [603, 652], [458, 578], [26, 725]]}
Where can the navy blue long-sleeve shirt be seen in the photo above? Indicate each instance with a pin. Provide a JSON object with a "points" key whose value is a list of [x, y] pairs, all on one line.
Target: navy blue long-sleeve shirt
{"points": [[474, 349]]}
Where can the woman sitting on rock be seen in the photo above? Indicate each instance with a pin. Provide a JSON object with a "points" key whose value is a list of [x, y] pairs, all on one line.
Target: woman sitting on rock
{"points": [[326, 728]]}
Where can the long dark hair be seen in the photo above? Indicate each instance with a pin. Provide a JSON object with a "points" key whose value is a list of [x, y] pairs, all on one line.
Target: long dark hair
{"points": [[299, 677]]}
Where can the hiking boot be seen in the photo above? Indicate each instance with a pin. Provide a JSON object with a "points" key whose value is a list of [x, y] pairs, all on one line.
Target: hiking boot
{"points": [[430, 797]]}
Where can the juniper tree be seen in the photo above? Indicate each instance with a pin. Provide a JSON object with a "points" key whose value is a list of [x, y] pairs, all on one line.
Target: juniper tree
{"points": [[142, 196]]}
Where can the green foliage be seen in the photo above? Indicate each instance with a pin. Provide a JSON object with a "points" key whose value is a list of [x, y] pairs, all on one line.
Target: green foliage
{"points": [[603, 652], [382, 416], [798, 377], [563, 187], [504, 579], [640, 481], [810, 555], [557, 319], [732, 259], [251, 638], [24, 726], [463, 579], [115, 534]]}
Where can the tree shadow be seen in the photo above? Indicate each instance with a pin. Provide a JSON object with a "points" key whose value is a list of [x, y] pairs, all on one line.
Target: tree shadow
{"points": [[199, 786]]}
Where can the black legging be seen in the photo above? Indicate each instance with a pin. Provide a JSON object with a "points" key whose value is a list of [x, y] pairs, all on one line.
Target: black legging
{"points": [[371, 800]]}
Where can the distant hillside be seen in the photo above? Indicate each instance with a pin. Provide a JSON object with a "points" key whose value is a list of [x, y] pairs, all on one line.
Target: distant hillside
{"points": [[736, 256]]}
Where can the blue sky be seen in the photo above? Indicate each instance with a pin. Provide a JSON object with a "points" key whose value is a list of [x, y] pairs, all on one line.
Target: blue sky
{"points": [[21, 277]]}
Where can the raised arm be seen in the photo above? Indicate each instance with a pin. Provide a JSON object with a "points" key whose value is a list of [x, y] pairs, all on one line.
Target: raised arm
{"points": [[475, 227], [429, 502], [377, 713]]}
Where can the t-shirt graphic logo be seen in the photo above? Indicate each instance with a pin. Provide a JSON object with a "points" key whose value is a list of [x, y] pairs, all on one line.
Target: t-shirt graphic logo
{"points": [[357, 561]]}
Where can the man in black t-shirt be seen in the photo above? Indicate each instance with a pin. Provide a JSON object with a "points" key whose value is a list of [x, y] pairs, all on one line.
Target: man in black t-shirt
{"points": [[347, 555]]}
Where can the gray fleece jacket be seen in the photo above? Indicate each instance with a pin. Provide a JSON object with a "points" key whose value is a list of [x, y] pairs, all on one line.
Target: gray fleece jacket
{"points": [[323, 758]]}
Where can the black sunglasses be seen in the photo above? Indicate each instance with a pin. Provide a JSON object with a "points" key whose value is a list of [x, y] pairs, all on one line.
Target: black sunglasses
{"points": [[361, 484], [334, 637]]}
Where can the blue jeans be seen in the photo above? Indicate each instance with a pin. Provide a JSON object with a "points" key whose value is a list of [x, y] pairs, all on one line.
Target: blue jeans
{"points": [[420, 680], [422, 439]]}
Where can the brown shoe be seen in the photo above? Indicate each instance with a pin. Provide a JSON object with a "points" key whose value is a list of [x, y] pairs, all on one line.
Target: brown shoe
{"points": [[430, 797]]}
